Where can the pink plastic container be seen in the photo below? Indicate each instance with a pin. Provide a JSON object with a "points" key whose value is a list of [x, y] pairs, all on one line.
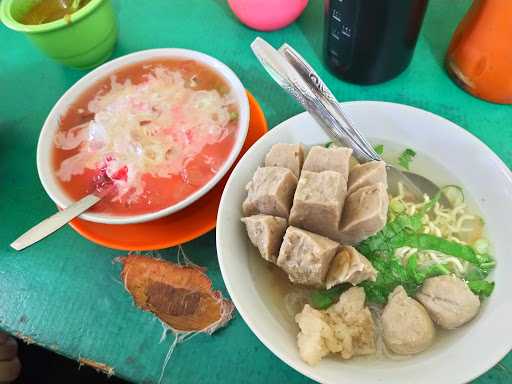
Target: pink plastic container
{"points": [[267, 15]]}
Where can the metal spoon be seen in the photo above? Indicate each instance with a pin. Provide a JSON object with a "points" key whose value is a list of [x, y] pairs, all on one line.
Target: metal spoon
{"points": [[297, 77]]}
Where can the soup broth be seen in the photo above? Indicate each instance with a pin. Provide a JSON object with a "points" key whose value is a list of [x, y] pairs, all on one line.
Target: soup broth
{"points": [[159, 129]]}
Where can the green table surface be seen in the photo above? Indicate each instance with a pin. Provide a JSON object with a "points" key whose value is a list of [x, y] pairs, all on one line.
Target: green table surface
{"points": [[65, 294]]}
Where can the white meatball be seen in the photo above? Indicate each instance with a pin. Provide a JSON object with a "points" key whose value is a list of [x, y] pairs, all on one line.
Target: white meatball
{"points": [[407, 327], [449, 301]]}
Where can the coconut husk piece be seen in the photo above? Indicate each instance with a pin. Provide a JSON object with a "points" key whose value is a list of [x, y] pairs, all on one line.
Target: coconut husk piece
{"points": [[181, 296]]}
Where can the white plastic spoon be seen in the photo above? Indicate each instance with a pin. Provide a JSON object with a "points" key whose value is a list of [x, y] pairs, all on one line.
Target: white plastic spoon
{"points": [[54, 222]]}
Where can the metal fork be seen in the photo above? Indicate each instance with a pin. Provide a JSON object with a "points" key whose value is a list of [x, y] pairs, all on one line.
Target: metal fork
{"points": [[297, 77]]}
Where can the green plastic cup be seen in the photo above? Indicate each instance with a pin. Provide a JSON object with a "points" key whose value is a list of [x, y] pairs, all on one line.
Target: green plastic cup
{"points": [[83, 41]]}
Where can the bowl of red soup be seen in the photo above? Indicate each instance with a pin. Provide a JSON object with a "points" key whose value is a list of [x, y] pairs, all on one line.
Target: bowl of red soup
{"points": [[152, 132]]}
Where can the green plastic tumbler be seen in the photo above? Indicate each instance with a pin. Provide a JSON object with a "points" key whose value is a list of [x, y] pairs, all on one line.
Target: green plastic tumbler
{"points": [[84, 40]]}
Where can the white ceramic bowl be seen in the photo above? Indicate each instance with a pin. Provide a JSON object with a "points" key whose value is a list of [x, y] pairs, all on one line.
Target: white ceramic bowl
{"points": [[44, 146], [446, 154]]}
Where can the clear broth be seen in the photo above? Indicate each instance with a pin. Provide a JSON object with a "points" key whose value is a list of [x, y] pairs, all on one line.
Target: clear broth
{"points": [[276, 289]]}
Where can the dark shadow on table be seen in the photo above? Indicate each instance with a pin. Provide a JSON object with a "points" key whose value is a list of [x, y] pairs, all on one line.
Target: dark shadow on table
{"points": [[41, 366]]}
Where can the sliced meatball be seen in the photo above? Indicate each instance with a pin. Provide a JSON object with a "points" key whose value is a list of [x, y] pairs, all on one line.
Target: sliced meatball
{"points": [[318, 202], [306, 256], [270, 192], [366, 174], [266, 233], [364, 214], [449, 301], [349, 266], [289, 156], [407, 327], [321, 159]]}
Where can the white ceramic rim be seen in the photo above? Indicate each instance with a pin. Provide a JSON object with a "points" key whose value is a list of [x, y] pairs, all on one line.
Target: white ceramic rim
{"points": [[501, 306], [44, 161]]}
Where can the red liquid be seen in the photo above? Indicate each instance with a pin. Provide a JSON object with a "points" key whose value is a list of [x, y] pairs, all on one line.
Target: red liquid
{"points": [[159, 192]]}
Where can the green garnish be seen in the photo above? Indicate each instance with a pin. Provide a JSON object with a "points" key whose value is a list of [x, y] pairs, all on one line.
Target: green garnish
{"points": [[330, 144], [324, 298], [434, 243], [481, 246], [406, 158], [222, 89], [454, 194], [379, 148], [396, 206], [233, 115], [405, 230], [481, 287]]}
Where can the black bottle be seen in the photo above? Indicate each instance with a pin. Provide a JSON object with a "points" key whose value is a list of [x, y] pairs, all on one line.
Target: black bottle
{"points": [[371, 41]]}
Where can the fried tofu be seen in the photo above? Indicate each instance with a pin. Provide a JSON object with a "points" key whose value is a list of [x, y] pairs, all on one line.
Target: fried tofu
{"points": [[346, 329]]}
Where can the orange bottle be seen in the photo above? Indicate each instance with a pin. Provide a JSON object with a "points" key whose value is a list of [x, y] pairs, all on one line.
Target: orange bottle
{"points": [[480, 54]]}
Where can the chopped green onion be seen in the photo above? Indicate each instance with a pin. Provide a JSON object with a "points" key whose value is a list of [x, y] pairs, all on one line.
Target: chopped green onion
{"points": [[481, 246], [412, 269], [233, 115], [330, 144], [428, 206], [437, 269], [481, 287], [453, 194], [474, 273], [323, 299], [406, 157], [396, 206], [379, 148]]}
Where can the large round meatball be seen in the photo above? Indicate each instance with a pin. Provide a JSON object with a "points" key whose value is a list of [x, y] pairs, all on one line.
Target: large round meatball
{"points": [[449, 301], [407, 327]]}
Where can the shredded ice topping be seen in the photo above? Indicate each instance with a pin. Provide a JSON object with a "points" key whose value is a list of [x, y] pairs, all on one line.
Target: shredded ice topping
{"points": [[155, 127]]}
